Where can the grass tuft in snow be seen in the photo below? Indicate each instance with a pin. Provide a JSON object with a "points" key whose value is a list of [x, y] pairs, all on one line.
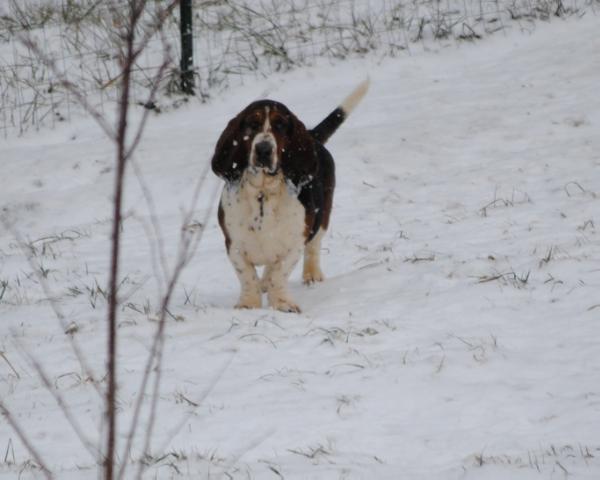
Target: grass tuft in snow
{"points": [[232, 40]]}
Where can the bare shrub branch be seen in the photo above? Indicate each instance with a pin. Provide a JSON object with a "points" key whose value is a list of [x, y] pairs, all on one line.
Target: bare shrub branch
{"points": [[188, 241], [131, 38]]}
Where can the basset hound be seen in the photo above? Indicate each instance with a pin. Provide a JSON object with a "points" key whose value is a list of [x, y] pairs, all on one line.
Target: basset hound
{"points": [[278, 194]]}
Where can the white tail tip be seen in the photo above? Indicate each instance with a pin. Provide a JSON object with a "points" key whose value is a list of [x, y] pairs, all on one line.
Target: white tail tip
{"points": [[352, 100]]}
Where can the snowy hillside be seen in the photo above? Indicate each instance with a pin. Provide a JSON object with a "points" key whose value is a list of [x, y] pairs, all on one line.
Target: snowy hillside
{"points": [[457, 335]]}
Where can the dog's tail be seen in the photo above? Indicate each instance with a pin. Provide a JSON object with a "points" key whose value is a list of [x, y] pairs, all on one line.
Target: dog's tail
{"points": [[331, 123]]}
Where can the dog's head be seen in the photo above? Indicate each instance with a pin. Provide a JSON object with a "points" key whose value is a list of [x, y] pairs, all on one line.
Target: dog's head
{"points": [[265, 137]]}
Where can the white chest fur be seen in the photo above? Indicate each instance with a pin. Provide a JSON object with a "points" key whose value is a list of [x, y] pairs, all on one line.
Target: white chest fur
{"points": [[264, 218]]}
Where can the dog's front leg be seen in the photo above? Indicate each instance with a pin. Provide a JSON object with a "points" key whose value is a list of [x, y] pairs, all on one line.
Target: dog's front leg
{"points": [[312, 260], [275, 282], [250, 295]]}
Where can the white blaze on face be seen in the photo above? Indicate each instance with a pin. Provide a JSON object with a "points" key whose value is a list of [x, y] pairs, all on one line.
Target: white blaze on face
{"points": [[267, 125], [266, 135]]}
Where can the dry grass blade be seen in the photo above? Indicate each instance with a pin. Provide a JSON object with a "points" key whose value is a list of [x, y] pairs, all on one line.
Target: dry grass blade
{"points": [[198, 402], [517, 280], [576, 184], [3, 355]]}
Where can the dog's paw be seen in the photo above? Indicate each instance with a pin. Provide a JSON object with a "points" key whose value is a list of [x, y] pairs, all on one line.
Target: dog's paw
{"points": [[312, 276], [249, 302], [285, 305]]}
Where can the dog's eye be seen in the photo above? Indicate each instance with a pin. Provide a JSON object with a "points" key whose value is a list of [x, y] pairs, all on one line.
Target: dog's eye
{"points": [[279, 125], [253, 124]]}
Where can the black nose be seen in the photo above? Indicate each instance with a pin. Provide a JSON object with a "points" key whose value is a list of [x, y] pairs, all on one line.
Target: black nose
{"points": [[263, 154]]}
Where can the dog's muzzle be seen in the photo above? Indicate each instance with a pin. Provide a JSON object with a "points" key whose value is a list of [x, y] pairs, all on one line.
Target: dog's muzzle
{"points": [[264, 156]]}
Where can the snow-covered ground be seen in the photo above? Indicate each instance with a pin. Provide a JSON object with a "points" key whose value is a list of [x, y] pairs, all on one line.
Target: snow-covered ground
{"points": [[457, 334]]}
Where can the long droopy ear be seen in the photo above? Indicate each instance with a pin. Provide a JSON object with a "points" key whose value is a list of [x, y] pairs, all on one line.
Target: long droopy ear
{"points": [[230, 157], [299, 160]]}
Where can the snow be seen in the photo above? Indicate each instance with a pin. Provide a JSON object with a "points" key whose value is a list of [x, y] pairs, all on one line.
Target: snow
{"points": [[456, 334]]}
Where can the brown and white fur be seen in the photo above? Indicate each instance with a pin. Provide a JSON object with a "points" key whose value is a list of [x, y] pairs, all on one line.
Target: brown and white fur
{"points": [[278, 195]]}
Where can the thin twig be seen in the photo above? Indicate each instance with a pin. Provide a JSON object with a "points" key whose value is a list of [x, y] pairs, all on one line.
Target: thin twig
{"points": [[162, 16], [160, 329], [120, 141], [66, 411], [167, 60], [53, 304], [66, 83], [24, 437], [153, 219], [186, 239]]}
